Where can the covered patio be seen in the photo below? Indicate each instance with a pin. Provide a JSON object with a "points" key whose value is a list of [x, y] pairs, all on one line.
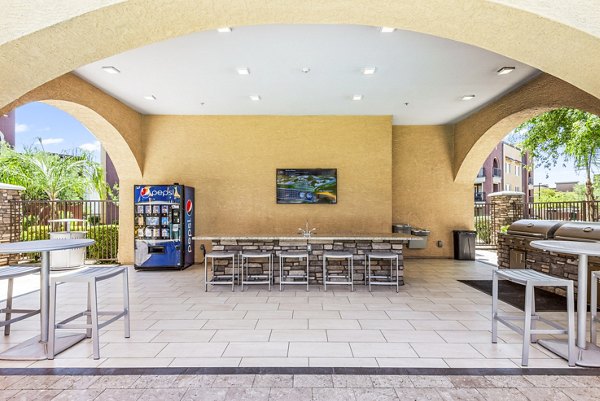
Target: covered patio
{"points": [[434, 321]]}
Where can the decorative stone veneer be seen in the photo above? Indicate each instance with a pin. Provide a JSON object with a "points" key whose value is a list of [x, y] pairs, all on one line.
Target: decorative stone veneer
{"points": [[10, 227], [357, 247], [555, 264]]}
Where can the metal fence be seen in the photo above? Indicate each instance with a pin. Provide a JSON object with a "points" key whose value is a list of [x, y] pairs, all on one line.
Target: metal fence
{"points": [[484, 226], [487, 229], [578, 210], [30, 221]]}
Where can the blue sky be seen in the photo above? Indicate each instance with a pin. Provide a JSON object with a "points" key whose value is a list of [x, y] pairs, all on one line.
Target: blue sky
{"points": [[59, 130]]}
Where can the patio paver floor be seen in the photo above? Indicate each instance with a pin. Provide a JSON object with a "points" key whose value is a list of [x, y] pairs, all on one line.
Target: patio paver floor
{"points": [[434, 321]]}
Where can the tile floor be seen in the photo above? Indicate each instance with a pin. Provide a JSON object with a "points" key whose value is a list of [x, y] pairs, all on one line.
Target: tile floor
{"points": [[435, 321], [300, 388]]}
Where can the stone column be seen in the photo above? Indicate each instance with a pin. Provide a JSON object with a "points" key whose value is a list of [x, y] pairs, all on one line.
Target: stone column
{"points": [[505, 208], [10, 227]]}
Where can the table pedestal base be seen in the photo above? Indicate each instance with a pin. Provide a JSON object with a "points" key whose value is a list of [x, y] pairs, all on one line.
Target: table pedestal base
{"points": [[34, 350], [589, 357]]}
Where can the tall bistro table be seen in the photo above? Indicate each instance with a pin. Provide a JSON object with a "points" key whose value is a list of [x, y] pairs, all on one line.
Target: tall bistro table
{"points": [[589, 354], [36, 348]]}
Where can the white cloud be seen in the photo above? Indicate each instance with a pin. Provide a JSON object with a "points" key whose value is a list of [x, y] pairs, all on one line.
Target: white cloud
{"points": [[52, 141], [90, 147], [21, 128]]}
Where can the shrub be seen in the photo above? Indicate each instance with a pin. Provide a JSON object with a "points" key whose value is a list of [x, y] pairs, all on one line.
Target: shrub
{"points": [[484, 231], [105, 235], [107, 241]]}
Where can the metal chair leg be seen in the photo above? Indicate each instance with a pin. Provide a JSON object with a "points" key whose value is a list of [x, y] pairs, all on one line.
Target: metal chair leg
{"points": [[494, 308], [88, 317], [533, 338], [369, 270], [526, 326], [52, 323], [593, 308], [233, 274], [280, 274], [9, 300], [352, 274], [325, 273], [572, 353], [206, 258], [126, 320], [307, 272], [397, 273], [95, 334]]}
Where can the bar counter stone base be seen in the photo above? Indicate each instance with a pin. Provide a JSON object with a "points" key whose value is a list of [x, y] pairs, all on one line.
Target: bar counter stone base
{"points": [[358, 247]]}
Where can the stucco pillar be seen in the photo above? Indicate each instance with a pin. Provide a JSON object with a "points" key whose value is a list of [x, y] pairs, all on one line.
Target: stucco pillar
{"points": [[10, 221], [505, 208]]}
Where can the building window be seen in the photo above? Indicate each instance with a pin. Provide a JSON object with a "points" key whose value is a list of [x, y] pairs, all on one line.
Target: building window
{"points": [[518, 189], [506, 167], [507, 187], [517, 168]]}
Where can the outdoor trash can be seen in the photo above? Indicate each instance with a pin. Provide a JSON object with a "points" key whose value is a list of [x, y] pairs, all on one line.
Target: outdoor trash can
{"points": [[401, 228], [464, 244], [419, 243]]}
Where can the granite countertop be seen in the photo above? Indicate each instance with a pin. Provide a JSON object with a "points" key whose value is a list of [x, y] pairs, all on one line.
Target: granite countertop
{"points": [[317, 237]]}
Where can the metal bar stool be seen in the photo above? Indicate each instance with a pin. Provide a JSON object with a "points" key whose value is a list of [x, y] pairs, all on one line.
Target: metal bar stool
{"points": [[531, 279], [391, 256], [248, 278], [224, 279], [10, 273], [293, 255], [91, 276], [349, 276], [594, 305]]}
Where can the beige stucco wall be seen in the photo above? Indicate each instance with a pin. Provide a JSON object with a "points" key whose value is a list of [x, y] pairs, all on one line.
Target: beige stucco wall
{"points": [[231, 161], [424, 191]]}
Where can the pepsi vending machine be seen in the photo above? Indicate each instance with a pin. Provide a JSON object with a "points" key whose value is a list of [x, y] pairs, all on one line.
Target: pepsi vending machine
{"points": [[164, 226]]}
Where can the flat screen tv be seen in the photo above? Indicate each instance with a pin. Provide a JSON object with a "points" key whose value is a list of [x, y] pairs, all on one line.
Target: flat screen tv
{"points": [[312, 185]]}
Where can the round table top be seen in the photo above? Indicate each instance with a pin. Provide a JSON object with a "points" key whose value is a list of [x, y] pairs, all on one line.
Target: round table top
{"points": [[569, 247], [44, 245]]}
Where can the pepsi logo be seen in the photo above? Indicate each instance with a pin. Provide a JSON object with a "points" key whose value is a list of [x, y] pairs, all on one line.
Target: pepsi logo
{"points": [[145, 192], [188, 207]]}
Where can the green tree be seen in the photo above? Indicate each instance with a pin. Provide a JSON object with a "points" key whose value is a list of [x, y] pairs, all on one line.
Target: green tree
{"points": [[51, 176], [570, 133]]}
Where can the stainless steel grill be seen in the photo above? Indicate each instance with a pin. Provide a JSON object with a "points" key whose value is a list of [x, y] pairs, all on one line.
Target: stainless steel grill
{"points": [[578, 231], [538, 229]]}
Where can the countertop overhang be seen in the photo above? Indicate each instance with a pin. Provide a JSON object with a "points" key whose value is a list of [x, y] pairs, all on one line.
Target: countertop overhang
{"points": [[317, 237]]}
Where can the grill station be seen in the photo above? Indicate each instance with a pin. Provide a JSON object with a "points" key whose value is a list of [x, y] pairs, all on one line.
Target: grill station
{"points": [[515, 252]]}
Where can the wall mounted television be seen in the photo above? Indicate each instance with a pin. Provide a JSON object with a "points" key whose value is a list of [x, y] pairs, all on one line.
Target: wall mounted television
{"points": [[306, 185]]}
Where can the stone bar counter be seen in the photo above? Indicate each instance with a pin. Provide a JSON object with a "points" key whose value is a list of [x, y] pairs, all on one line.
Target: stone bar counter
{"points": [[359, 245]]}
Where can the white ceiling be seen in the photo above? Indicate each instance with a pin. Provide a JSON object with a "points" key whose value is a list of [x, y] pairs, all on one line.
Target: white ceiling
{"points": [[196, 74]]}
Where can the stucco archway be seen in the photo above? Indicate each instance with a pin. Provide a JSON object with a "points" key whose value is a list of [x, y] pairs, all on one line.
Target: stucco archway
{"points": [[77, 34], [116, 126], [476, 136]]}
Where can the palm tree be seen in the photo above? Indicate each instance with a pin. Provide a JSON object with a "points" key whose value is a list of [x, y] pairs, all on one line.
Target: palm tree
{"points": [[51, 176]]}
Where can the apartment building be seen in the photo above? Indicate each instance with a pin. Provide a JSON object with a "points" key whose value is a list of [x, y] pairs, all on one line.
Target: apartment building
{"points": [[505, 169]]}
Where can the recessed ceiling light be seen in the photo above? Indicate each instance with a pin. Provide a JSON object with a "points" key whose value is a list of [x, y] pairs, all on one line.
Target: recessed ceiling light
{"points": [[387, 29], [109, 69], [305, 70], [357, 97], [243, 71], [225, 29], [368, 70], [255, 98], [505, 70], [468, 97], [150, 97]]}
